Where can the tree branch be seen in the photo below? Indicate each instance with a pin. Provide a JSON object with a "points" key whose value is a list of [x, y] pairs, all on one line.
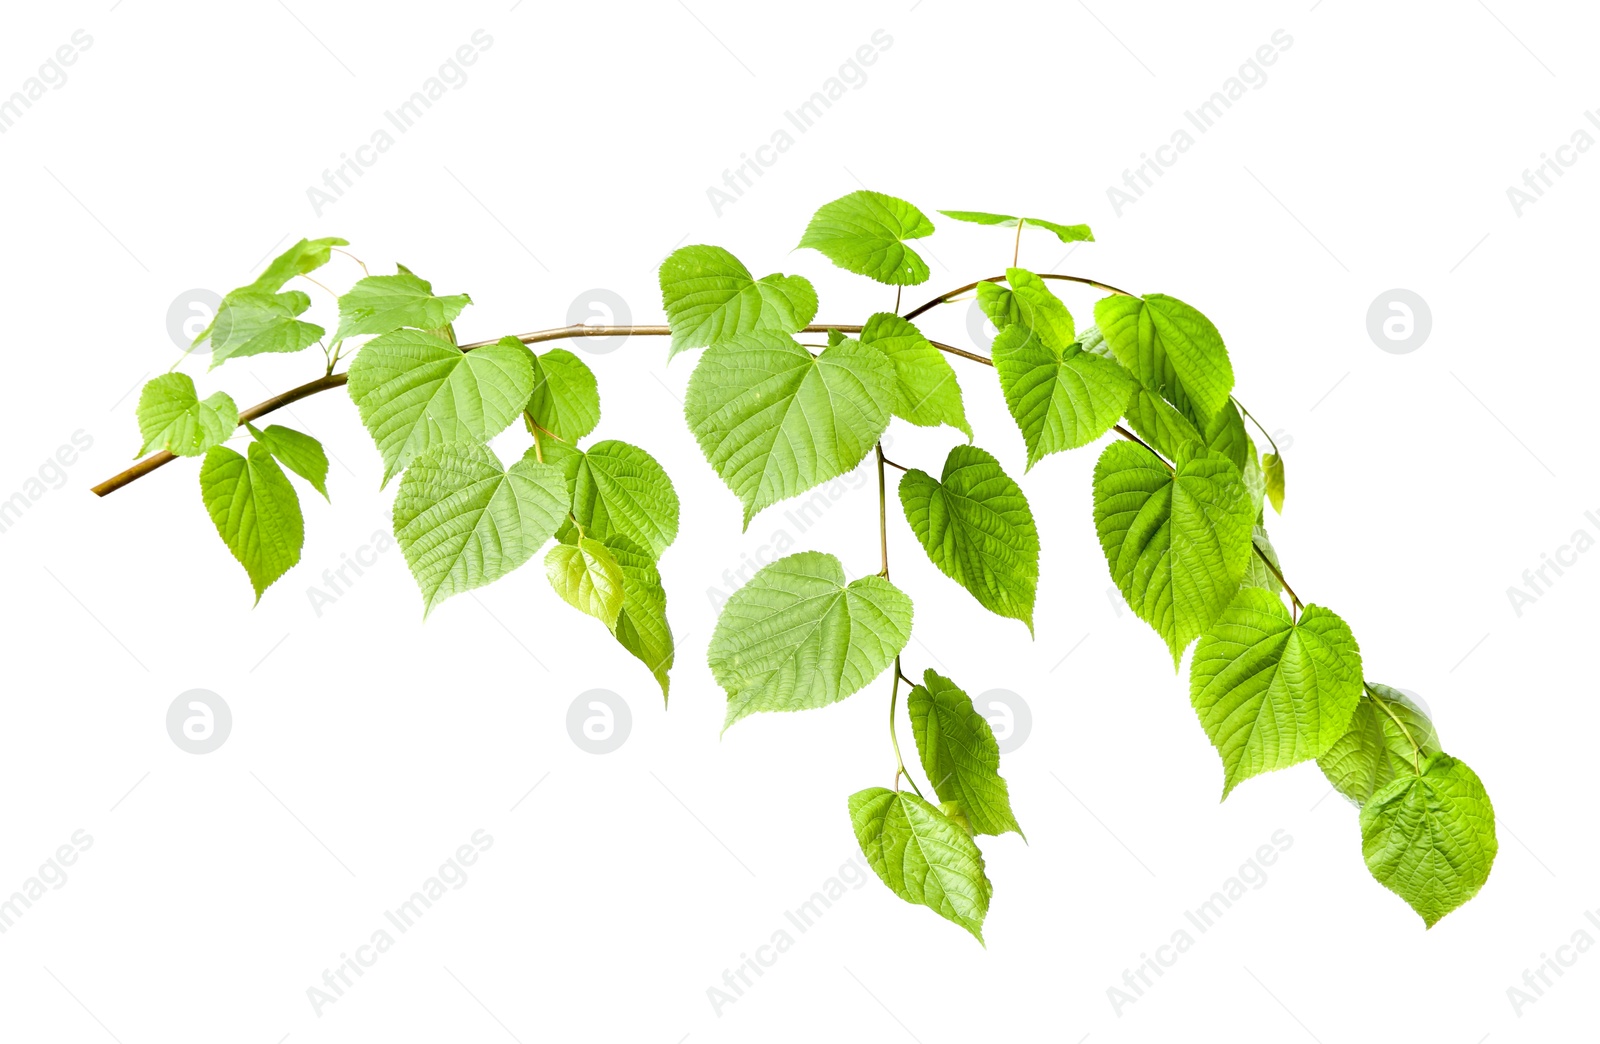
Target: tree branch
{"points": [[942, 298]]}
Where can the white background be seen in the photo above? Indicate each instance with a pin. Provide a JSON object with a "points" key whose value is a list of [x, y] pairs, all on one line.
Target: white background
{"points": [[367, 745]]}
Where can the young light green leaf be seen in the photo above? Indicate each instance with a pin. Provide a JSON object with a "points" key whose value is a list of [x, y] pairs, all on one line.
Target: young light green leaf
{"points": [[1059, 399], [298, 452], [1171, 348], [251, 322], [566, 397], [976, 527], [710, 298], [380, 304], [308, 255], [619, 489], [1065, 233], [1272, 469], [1177, 544], [642, 626], [926, 391], [865, 233], [798, 637], [1388, 736], [1430, 838], [173, 417], [959, 754], [1225, 434], [1256, 573], [587, 575], [1271, 692], [416, 391], [1041, 311], [922, 855], [463, 520], [774, 420], [255, 510]]}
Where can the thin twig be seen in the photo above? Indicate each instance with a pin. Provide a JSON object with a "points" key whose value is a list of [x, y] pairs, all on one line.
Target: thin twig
{"points": [[945, 298]]}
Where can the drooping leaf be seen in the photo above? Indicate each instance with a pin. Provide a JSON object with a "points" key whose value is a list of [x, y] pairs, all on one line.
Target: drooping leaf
{"points": [[298, 452], [926, 391], [255, 510], [975, 524], [1034, 306], [865, 233], [587, 575], [308, 255], [1171, 348], [464, 520], [1059, 399], [710, 298], [619, 489], [1177, 543], [922, 855], [1272, 469], [798, 637], [1388, 736], [380, 304], [251, 322], [959, 754], [173, 417], [642, 626], [1430, 838], [774, 420], [1065, 233], [1271, 692], [416, 391], [566, 398]]}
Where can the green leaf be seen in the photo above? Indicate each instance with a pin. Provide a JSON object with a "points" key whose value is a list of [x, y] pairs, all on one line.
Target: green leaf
{"points": [[566, 398], [587, 575], [1041, 311], [1171, 348], [922, 855], [1272, 468], [251, 322], [1430, 838], [1256, 573], [1225, 435], [798, 637], [1177, 544], [865, 233], [464, 520], [959, 754], [976, 527], [1059, 399], [255, 510], [308, 255], [380, 304], [926, 392], [298, 452], [173, 417], [642, 626], [1065, 233], [774, 420], [1271, 692], [619, 489], [416, 391], [1388, 736], [710, 298]]}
